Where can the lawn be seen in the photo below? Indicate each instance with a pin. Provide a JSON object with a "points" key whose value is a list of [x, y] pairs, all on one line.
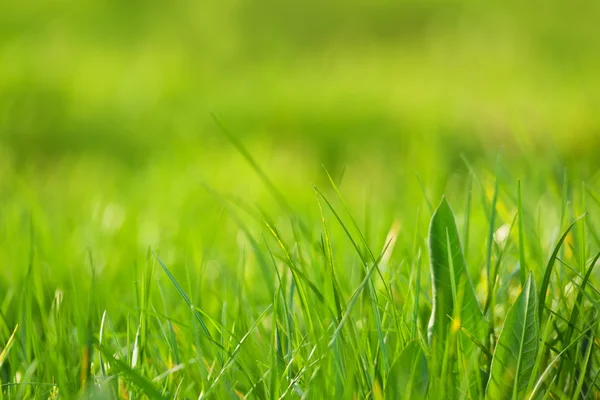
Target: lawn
{"points": [[238, 200]]}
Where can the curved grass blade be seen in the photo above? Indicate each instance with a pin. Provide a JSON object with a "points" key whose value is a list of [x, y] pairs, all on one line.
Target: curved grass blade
{"points": [[197, 313], [424, 194], [277, 195], [371, 288], [548, 271], [9, 344], [516, 351], [491, 299], [184, 296], [582, 380], [579, 300], [235, 352], [239, 146], [577, 307], [551, 364], [594, 381], [143, 383], [450, 278], [409, 376], [262, 261]]}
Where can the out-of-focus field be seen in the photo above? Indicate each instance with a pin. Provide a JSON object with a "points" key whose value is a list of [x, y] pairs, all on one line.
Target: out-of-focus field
{"points": [[125, 80], [109, 144], [110, 102]]}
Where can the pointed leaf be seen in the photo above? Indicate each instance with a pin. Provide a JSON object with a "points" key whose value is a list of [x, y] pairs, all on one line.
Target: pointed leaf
{"points": [[450, 280], [516, 351]]}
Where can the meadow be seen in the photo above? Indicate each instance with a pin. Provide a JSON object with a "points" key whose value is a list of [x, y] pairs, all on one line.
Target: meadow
{"points": [[311, 200]]}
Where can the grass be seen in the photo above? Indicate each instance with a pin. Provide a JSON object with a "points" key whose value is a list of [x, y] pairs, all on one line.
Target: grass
{"points": [[152, 249], [243, 299]]}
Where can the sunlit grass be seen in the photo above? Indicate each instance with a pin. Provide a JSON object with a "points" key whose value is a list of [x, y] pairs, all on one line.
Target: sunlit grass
{"points": [[223, 296]]}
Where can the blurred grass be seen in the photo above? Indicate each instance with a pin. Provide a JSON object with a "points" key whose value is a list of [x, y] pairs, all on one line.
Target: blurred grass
{"points": [[105, 125], [122, 79], [105, 102]]}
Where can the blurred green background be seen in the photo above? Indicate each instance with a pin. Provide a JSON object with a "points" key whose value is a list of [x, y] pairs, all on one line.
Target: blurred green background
{"points": [[133, 80], [106, 133]]}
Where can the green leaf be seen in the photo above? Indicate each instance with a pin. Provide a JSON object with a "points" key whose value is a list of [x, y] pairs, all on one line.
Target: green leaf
{"points": [[451, 282], [409, 376], [517, 347]]}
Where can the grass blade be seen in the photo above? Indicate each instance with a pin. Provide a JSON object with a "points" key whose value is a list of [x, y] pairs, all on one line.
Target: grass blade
{"points": [[522, 267], [137, 379], [184, 296], [577, 307], [548, 271], [551, 364], [9, 344], [490, 240]]}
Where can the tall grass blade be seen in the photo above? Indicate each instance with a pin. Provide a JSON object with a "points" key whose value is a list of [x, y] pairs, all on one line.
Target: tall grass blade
{"points": [[8, 346], [575, 311], [246, 154], [429, 205], [375, 262], [184, 296], [467, 218], [548, 270], [522, 266], [490, 240]]}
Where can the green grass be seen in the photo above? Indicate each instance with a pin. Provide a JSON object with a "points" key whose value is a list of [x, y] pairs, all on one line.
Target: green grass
{"points": [[212, 295], [299, 199]]}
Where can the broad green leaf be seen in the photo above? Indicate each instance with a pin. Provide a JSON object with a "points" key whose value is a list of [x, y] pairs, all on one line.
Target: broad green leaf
{"points": [[517, 347], [409, 376], [451, 282]]}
